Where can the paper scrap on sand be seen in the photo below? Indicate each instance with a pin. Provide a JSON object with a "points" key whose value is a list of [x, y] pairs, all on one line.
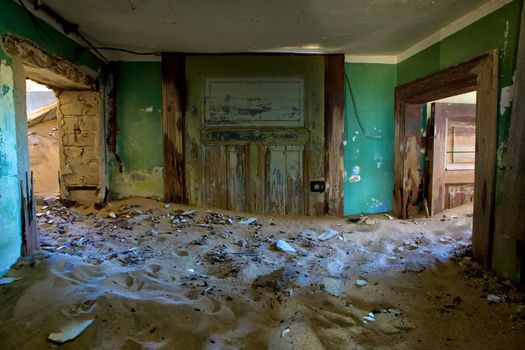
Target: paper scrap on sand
{"points": [[70, 331]]}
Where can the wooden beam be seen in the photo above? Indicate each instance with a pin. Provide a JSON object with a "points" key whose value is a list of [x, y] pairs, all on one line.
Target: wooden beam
{"points": [[511, 218], [173, 103], [334, 126]]}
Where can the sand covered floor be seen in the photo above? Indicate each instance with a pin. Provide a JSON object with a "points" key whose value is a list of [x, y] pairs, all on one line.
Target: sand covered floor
{"points": [[153, 276]]}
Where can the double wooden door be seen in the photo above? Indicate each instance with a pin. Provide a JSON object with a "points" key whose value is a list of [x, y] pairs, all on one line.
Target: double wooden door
{"points": [[255, 133]]}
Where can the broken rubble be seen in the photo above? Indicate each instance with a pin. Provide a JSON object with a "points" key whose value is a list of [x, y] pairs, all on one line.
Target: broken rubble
{"points": [[326, 235]]}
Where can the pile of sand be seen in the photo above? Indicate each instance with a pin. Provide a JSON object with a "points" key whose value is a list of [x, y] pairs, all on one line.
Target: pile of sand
{"points": [[156, 277]]}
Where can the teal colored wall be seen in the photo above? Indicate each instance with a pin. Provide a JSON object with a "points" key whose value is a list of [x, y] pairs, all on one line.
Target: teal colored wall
{"points": [[499, 30], [10, 224], [139, 131], [373, 87], [14, 161]]}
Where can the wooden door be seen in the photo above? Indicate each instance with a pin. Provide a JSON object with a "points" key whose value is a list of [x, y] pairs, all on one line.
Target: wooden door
{"points": [[452, 155], [255, 133]]}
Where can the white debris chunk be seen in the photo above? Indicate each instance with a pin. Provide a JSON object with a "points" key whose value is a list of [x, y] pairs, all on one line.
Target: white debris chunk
{"points": [[70, 331], [326, 235], [360, 282], [248, 221], [284, 246]]}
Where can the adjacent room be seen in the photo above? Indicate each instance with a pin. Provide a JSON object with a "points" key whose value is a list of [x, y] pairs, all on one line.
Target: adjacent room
{"points": [[262, 175]]}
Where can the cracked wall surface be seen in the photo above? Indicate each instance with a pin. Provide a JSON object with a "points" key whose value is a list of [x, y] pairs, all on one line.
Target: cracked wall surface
{"points": [[79, 124]]}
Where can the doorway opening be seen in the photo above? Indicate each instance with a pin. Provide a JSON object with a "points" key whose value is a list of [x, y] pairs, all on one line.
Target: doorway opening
{"points": [[450, 153], [42, 126], [480, 75]]}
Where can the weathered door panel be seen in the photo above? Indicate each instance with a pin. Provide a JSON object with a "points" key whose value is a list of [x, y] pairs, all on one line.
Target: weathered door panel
{"points": [[255, 133], [284, 180], [452, 155]]}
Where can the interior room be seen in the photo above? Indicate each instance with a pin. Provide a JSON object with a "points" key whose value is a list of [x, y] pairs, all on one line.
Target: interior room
{"points": [[262, 175]]}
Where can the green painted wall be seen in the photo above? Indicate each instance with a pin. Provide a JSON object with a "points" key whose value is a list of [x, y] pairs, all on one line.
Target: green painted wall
{"points": [[10, 224], [139, 131], [499, 30], [371, 159], [14, 161]]}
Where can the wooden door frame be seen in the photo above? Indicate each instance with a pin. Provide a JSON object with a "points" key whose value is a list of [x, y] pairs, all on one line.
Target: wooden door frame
{"points": [[479, 74]]}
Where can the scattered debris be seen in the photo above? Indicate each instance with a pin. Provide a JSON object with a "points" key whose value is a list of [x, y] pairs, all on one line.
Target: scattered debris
{"points": [[494, 299], [284, 246], [326, 235], [389, 217], [285, 332], [360, 282], [8, 280], [70, 332], [248, 221], [334, 286]]}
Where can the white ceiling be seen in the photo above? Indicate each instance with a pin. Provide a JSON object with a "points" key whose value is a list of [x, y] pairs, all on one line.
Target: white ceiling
{"points": [[357, 27]]}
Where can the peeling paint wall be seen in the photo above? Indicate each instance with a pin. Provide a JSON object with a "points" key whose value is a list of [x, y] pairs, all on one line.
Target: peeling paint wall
{"points": [[14, 162], [138, 170], [498, 30], [10, 221], [369, 162]]}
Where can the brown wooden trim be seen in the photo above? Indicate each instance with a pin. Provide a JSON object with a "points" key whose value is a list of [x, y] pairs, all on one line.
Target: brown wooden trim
{"points": [[510, 214], [173, 103], [457, 177], [480, 74], [334, 125]]}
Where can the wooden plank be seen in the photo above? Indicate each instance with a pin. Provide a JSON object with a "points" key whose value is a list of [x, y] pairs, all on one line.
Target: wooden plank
{"points": [[437, 159], [412, 148], [173, 103], [275, 187], [294, 180], [334, 126], [459, 177], [511, 218], [485, 174], [215, 186], [236, 177]]}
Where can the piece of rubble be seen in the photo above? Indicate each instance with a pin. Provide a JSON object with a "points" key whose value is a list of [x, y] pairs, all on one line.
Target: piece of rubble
{"points": [[390, 217], [334, 286], [278, 279], [370, 317], [70, 331], [285, 332], [494, 299], [326, 235], [360, 282], [8, 280], [284, 246], [248, 221]]}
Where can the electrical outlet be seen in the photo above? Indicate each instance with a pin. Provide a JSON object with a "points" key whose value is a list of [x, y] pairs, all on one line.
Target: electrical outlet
{"points": [[317, 186]]}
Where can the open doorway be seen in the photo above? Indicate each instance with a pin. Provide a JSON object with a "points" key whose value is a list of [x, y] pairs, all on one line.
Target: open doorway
{"points": [[450, 153], [480, 75], [41, 106]]}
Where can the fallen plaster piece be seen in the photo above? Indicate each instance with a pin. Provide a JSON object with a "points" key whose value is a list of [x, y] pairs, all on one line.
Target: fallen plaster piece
{"points": [[248, 221], [71, 331], [8, 280], [284, 246], [334, 286], [326, 235]]}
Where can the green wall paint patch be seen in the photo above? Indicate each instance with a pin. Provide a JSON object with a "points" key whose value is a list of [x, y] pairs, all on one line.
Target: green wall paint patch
{"points": [[139, 135], [369, 162]]}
